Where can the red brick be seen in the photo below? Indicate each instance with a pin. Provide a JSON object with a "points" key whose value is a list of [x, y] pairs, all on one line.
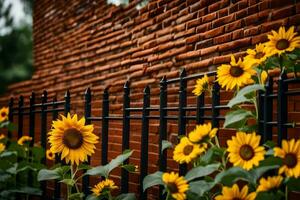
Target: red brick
{"points": [[221, 59], [193, 39], [273, 25], [235, 44], [193, 23], [250, 20], [209, 17], [233, 8], [283, 12], [203, 28], [223, 20], [279, 3], [233, 26], [223, 12], [241, 14], [223, 38], [294, 20], [259, 39], [265, 15], [252, 9], [237, 34], [209, 50], [298, 8], [204, 44], [214, 32], [252, 31], [242, 4]]}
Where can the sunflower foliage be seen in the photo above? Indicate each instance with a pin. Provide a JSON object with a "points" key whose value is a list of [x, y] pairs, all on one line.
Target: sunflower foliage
{"points": [[72, 141], [19, 162], [246, 169]]}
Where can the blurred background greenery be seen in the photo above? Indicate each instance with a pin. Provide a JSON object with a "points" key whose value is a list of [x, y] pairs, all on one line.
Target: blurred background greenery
{"points": [[15, 41]]}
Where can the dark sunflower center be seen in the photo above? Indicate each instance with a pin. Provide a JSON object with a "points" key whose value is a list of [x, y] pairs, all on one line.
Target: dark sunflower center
{"points": [[172, 188], [282, 44], [246, 152], [236, 71], [51, 154], [188, 150], [73, 138], [3, 114], [290, 160], [259, 55]]}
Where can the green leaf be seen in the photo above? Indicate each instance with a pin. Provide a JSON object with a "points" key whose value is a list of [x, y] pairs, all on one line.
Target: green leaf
{"points": [[293, 184], [200, 187], [271, 161], [152, 180], [68, 181], [201, 171], [130, 168], [46, 174], [272, 62], [8, 154], [211, 155], [38, 153], [92, 197], [84, 166], [230, 176], [241, 95], [105, 170], [259, 171], [27, 190], [11, 127], [128, 196], [270, 144], [76, 196], [165, 145], [237, 118], [270, 195], [13, 169]]}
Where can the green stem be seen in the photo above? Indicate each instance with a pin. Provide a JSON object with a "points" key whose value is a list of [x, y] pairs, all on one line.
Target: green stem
{"points": [[286, 193], [168, 196], [256, 108], [223, 159], [110, 196]]}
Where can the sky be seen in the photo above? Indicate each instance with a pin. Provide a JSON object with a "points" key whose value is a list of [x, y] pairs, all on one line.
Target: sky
{"points": [[17, 13]]}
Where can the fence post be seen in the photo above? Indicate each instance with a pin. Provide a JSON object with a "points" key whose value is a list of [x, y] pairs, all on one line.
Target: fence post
{"points": [[44, 135], [162, 128], [268, 107], [282, 108], [182, 113], [20, 116], [10, 115], [57, 158], [105, 113], [260, 113], [125, 137], [31, 130], [87, 115], [200, 110], [67, 102], [31, 118], [144, 141], [215, 101]]}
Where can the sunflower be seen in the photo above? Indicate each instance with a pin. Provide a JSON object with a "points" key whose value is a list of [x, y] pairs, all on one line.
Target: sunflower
{"points": [[290, 153], [237, 74], [176, 185], [2, 147], [256, 56], [4, 114], [244, 150], [201, 86], [282, 41], [2, 136], [269, 183], [24, 140], [263, 77], [50, 155], [104, 186], [234, 193], [72, 138], [186, 151], [202, 133]]}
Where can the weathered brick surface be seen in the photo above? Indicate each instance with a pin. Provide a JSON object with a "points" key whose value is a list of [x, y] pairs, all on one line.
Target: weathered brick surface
{"points": [[79, 44]]}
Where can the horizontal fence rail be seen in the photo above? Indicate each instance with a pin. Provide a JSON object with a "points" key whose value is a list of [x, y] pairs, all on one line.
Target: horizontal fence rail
{"points": [[266, 122]]}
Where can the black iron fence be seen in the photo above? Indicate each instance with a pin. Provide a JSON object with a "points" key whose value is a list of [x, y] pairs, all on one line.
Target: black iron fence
{"points": [[267, 122]]}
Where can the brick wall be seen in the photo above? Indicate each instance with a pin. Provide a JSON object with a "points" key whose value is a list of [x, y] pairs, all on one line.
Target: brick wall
{"points": [[80, 43]]}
